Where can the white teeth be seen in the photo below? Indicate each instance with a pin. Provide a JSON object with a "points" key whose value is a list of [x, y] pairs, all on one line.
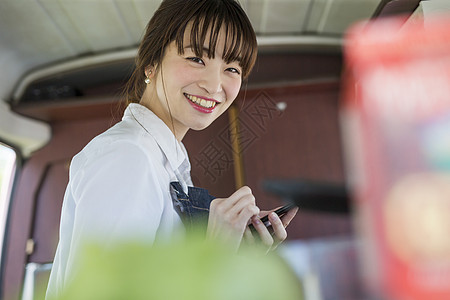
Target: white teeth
{"points": [[201, 102]]}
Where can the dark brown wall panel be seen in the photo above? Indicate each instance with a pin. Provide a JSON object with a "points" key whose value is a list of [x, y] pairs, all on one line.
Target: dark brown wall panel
{"points": [[68, 139], [49, 198], [301, 142], [211, 157]]}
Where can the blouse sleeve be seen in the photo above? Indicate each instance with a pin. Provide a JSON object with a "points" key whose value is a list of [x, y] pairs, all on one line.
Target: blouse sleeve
{"points": [[117, 196]]}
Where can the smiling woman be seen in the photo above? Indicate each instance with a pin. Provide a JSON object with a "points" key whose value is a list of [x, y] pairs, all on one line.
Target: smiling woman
{"points": [[61, 76], [132, 182]]}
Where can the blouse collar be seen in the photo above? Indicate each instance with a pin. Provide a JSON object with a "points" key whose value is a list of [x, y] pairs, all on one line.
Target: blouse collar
{"points": [[173, 149]]}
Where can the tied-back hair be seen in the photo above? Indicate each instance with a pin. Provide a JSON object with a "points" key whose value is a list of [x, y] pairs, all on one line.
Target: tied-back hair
{"points": [[169, 23]]}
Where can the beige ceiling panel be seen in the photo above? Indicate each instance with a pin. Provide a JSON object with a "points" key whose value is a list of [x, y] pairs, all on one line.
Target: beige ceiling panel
{"points": [[275, 18], [344, 13], [11, 61], [99, 23], [335, 16], [132, 19], [426, 11], [65, 25], [31, 36], [435, 7], [254, 10], [316, 13], [144, 10], [30, 39]]}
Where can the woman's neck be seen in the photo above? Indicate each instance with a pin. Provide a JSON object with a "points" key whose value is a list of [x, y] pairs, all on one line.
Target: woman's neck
{"points": [[164, 114]]}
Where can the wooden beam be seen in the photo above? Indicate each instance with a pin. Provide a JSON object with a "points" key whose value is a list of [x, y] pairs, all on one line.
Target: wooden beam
{"points": [[235, 139]]}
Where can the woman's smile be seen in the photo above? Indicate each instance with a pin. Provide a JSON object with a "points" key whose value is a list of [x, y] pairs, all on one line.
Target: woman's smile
{"points": [[202, 104]]}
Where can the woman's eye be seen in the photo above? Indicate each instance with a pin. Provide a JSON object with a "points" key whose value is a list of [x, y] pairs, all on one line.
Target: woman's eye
{"points": [[196, 60], [234, 70]]}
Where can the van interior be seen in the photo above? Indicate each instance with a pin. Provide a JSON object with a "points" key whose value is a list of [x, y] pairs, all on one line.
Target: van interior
{"points": [[63, 64]]}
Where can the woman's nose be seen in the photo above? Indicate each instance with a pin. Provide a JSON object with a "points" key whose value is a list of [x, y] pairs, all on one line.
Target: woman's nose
{"points": [[212, 81]]}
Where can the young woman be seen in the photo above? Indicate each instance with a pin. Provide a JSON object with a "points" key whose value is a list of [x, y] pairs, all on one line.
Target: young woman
{"points": [[133, 181]]}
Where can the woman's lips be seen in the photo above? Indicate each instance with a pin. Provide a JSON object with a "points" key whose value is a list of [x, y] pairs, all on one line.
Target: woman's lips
{"points": [[201, 104]]}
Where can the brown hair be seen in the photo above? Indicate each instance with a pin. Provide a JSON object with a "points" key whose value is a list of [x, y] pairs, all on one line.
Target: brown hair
{"points": [[169, 24]]}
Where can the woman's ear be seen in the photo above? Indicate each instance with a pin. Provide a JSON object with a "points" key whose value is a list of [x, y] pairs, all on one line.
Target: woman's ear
{"points": [[148, 72]]}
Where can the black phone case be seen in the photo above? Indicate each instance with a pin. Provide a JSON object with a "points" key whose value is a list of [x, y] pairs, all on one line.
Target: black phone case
{"points": [[280, 212]]}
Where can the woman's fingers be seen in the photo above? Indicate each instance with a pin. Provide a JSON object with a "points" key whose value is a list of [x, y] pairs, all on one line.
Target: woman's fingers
{"points": [[245, 202], [276, 232], [238, 208], [228, 217], [247, 213], [239, 194], [279, 230], [287, 218], [264, 234], [233, 205]]}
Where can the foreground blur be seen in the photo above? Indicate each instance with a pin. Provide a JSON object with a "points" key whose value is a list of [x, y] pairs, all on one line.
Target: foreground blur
{"points": [[396, 118], [187, 269]]}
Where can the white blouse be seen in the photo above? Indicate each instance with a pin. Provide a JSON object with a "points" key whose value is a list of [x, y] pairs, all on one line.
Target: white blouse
{"points": [[119, 189]]}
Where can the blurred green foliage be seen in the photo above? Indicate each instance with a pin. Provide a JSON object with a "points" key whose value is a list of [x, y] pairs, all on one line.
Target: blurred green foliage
{"points": [[188, 269]]}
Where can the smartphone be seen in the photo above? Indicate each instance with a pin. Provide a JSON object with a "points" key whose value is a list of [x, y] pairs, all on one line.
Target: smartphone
{"points": [[280, 212]]}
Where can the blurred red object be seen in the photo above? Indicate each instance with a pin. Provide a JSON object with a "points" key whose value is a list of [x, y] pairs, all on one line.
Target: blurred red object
{"points": [[396, 130]]}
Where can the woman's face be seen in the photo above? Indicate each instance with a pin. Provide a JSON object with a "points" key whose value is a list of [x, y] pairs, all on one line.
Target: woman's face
{"points": [[198, 89]]}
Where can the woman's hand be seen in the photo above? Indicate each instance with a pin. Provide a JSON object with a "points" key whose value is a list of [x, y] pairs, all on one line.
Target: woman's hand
{"points": [[228, 217], [270, 237]]}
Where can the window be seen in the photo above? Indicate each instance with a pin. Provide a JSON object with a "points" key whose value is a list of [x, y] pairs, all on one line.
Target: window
{"points": [[7, 171]]}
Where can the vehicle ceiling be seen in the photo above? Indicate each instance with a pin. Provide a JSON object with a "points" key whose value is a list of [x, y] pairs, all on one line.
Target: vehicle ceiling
{"points": [[35, 34], [45, 38]]}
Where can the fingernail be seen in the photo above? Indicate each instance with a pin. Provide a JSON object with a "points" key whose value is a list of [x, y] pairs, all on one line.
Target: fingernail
{"points": [[256, 221], [273, 215]]}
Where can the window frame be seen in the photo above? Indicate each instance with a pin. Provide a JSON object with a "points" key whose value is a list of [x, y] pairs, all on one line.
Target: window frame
{"points": [[11, 191]]}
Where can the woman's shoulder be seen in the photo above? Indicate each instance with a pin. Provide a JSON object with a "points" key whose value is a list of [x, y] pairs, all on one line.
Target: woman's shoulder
{"points": [[121, 139]]}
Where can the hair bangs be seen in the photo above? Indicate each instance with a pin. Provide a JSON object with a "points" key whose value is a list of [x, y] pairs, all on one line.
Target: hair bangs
{"points": [[206, 24]]}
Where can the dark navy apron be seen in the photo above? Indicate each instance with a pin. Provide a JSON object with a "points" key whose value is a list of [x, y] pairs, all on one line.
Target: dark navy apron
{"points": [[193, 208]]}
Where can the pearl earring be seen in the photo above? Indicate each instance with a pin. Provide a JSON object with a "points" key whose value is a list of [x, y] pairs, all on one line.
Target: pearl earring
{"points": [[147, 79]]}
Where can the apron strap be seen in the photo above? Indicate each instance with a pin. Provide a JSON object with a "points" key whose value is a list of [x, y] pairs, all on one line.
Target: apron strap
{"points": [[193, 208]]}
